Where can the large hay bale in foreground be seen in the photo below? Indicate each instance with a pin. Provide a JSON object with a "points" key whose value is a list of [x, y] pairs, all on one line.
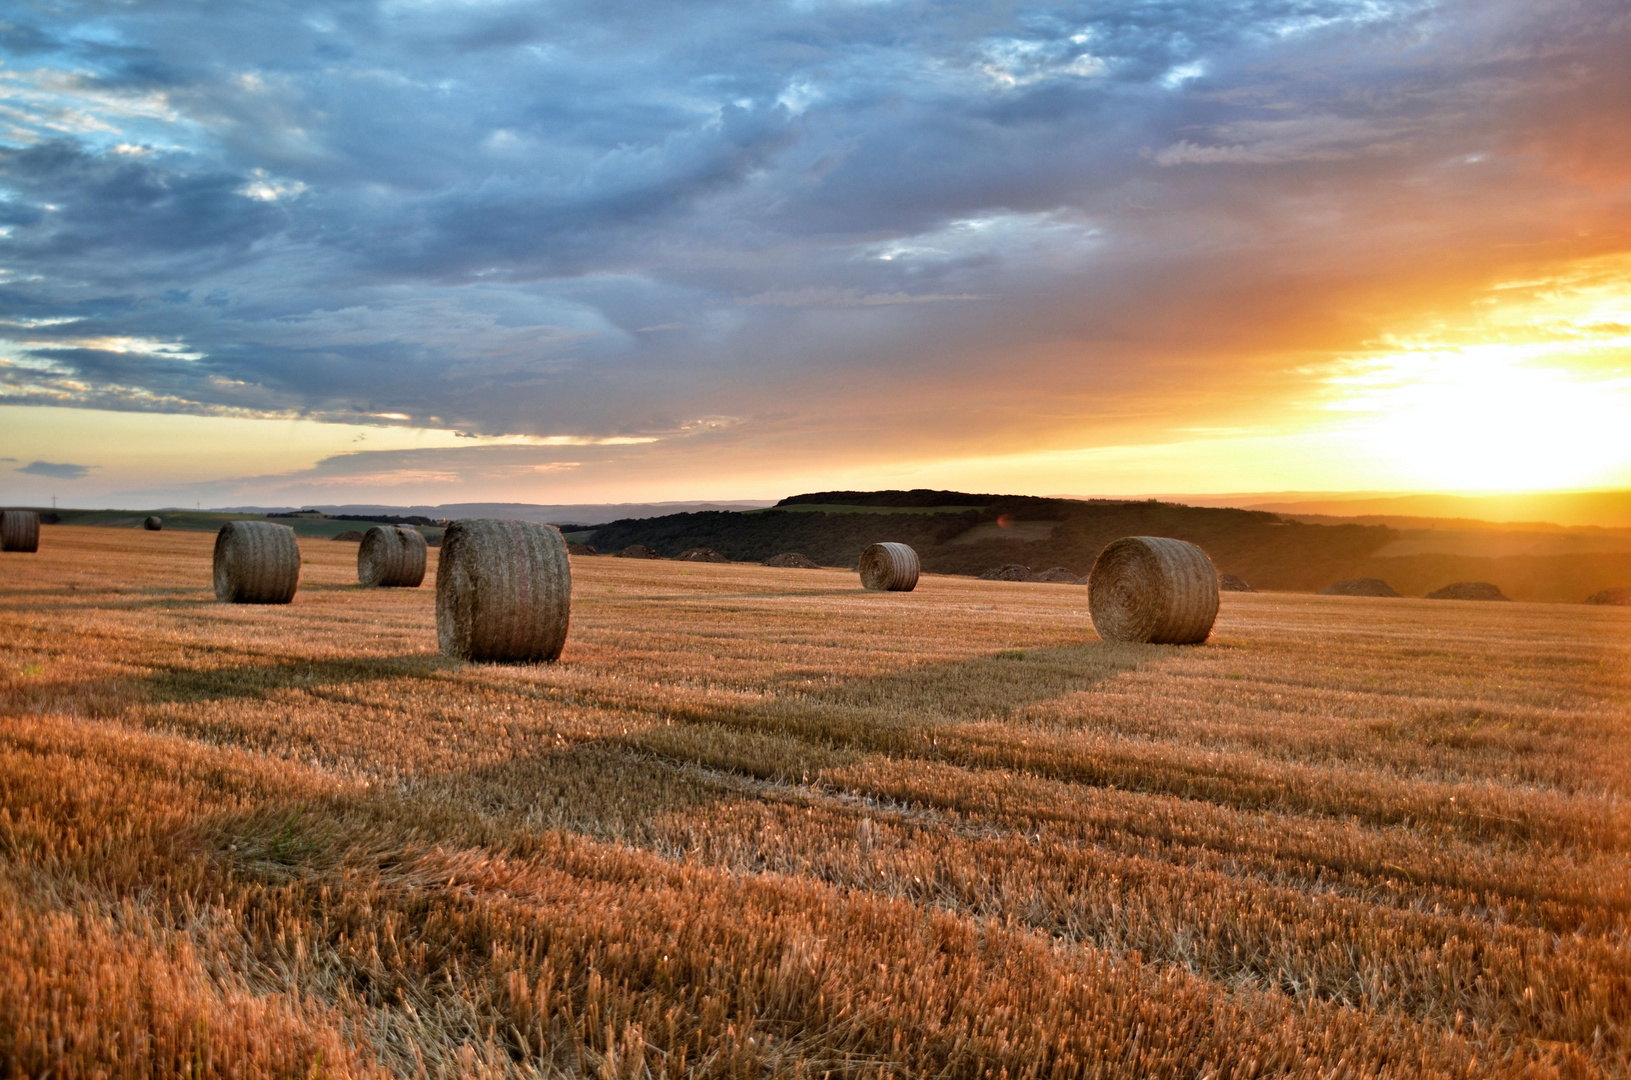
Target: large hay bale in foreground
{"points": [[793, 560], [391, 556], [700, 554], [1154, 589], [889, 567], [1359, 586], [153, 523], [256, 562], [19, 530], [1469, 590], [503, 591], [1620, 596]]}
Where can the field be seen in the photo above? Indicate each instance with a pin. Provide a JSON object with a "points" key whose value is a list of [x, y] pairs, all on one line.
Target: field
{"points": [[757, 822]]}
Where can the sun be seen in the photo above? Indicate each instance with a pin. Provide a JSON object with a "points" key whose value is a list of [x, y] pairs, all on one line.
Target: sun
{"points": [[1535, 396]]}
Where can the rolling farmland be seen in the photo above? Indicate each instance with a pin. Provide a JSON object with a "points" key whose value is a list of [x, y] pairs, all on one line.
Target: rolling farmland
{"points": [[757, 822]]}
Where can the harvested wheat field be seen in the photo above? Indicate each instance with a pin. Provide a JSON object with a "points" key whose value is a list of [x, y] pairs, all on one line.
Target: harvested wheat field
{"points": [[761, 822]]}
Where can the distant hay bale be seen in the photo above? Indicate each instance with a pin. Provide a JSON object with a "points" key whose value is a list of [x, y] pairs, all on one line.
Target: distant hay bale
{"points": [[1469, 590], [1153, 589], [256, 562], [889, 567], [793, 560], [153, 523], [638, 551], [391, 556], [1231, 583], [352, 535], [19, 530], [1055, 575], [503, 591], [575, 548], [1620, 596], [1009, 572], [700, 554], [1359, 586]]}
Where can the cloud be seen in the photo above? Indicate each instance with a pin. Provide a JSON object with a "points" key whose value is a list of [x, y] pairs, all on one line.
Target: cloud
{"points": [[1008, 221], [59, 470]]}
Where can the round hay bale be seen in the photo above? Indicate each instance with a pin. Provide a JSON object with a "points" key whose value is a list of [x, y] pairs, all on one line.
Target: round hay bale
{"points": [[793, 560], [1620, 596], [638, 551], [391, 556], [1469, 590], [503, 591], [153, 523], [575, 548], [1231, 583], [1010, 572], [889, 567], [1359, 586], [19, 530], [256, 562], [1154, 589], [700, 555], [1055, 575]]}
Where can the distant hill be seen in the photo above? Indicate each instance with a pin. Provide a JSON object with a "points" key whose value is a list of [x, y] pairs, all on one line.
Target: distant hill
{"points": [[1038, 532], [1609, 509], [966, 533], [545, 513]]}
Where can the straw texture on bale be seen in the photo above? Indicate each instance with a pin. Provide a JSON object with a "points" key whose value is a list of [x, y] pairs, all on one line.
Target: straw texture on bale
{"points": [[889, 567], [19, 530], [792, 560], [1153, 589], [391, 556], [1359, 586], [1469, 590], [153, 523], [503, 591], [256, 562]]}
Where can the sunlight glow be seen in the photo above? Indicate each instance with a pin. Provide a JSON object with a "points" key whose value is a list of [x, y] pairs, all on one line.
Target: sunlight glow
{"points": [[1537, 395]]}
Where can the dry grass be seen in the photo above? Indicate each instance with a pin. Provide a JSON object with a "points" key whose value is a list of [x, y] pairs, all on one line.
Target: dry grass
{"points": [[758, 821]]}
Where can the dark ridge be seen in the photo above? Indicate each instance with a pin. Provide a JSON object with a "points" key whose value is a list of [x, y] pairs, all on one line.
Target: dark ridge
{"points": [[1252, 544]]}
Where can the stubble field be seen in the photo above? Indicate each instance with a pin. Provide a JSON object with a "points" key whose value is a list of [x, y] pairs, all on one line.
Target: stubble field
{"points": [[757, 822]]}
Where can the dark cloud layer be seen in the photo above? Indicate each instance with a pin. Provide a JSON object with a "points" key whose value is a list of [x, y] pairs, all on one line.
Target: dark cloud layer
{"points": [[56, 469], [895, 225]]}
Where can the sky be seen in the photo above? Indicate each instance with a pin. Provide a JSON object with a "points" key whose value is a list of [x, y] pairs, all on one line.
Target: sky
{"points": [[425, 251]]}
